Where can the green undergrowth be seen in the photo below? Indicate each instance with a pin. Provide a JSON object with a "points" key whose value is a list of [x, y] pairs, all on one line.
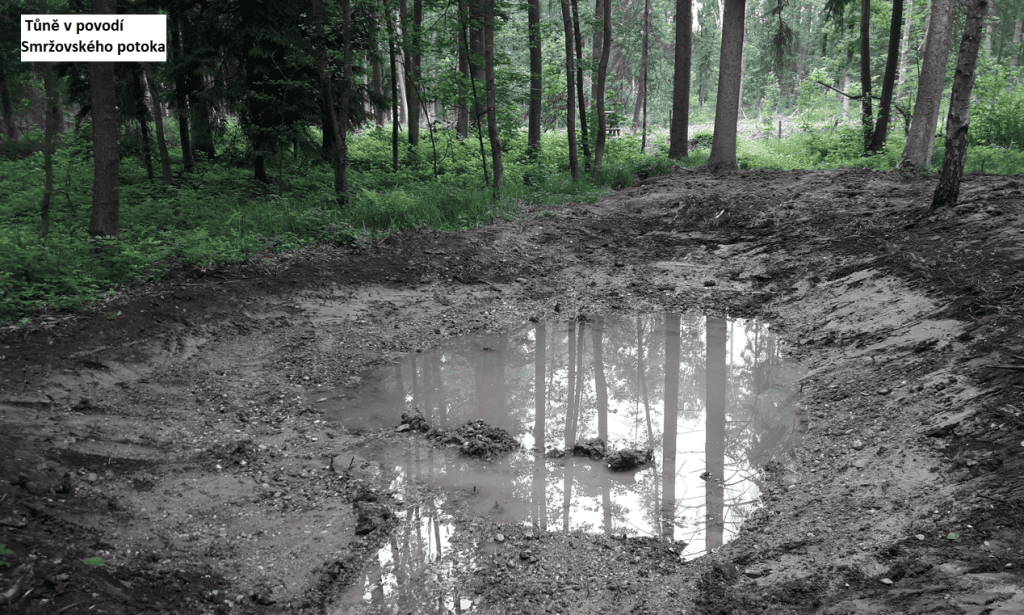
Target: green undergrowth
{"points": [[220, 214]]}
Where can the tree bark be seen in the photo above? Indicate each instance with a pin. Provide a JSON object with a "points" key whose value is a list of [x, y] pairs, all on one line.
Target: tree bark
{"points": [[958, 120], [331, 125], [138, 92], [866, 119], [1015, 60], [904, 53], [461, 109], [846, 85], [411, 55], [394, 98], [644, 60], [570, 95], [536, 80], [202, 129], [6, 106], [679, 131], [597, 45], [888, 78], [158, 121], [105, 132], [492, 97], [602, 80], [918, 152], [180, 97], [51, 110], [341, 140], [581, 101], [723, 144]]}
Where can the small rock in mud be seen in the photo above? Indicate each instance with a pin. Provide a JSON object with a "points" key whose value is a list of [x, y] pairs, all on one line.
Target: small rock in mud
{"points": [[595, 448], [555, 453], [629, 459], [414, 420], [371, 515]]}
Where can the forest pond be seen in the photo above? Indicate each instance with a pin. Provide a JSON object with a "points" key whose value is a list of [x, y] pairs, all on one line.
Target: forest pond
{"points": [[730, 406]]}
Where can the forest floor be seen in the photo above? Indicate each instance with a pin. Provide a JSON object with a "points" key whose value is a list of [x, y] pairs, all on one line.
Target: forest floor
{"points": [[172, 431]]}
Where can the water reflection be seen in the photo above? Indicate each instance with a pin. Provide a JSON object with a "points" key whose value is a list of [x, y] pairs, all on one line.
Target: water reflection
{"points": [[712, 397]]}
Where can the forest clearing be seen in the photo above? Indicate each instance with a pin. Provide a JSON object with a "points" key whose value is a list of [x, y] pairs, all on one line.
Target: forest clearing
{"points": [[357, 307]]}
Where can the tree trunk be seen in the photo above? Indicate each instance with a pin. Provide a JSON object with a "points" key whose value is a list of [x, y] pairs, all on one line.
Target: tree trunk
{"points": [[6, 106], [638, 101], [394, 99], [476, 56], [181, 99], [723, 144], [158, 120], [679, 131], [461, 109], [958, 120], [597, 44], [866, 120], [331, 124], [202, 129], [570, 95], [341, 130], [602, 79], [580, 98], [846, 85], [990, 28], [376, 84], [1015, 60], [492, 97], [918, 152], [138, 93], [105, 132], [904, 53], [411, 55], [889, 78], [51, 107], [536, 80]]}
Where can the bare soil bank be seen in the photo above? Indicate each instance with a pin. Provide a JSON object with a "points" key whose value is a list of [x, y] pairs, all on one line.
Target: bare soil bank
{"points": [[170, 432]]}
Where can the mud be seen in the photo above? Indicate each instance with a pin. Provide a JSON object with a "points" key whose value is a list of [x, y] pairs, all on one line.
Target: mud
{"points": [[181, 443]]}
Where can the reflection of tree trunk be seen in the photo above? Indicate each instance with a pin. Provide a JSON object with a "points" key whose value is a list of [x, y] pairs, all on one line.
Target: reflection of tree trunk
{"points": [[417, 399], [715, 379], [641, 380], [442, 412], [428, 388], [668, 476], [539, 507], [499, 376], [570, 409], [600, 385], [399, 386]]}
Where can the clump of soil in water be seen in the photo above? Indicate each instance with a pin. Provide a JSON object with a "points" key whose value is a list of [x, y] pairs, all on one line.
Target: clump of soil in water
{"points": [[474, 439], [620, 460]]}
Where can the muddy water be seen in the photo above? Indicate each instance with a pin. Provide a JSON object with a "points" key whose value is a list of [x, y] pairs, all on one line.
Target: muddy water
{"points": [[713, 398]]}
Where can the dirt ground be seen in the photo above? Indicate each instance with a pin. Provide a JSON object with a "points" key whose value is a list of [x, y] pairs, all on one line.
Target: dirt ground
{"points": [[172, 432]]}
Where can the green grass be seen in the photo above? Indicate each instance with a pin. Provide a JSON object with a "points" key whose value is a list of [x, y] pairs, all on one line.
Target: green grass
{"points": [[219, 214]]}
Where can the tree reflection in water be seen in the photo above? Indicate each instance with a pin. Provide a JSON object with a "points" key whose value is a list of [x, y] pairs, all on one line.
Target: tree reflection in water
{"points": [[714, 398]]}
